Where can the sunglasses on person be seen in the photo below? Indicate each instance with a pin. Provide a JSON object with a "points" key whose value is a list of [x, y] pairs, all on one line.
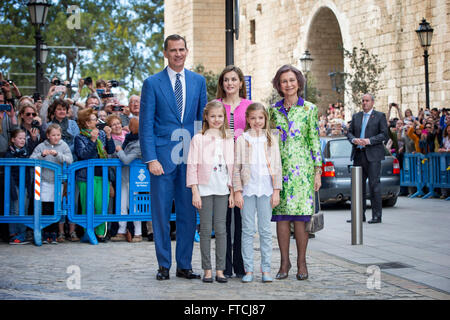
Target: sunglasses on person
{"points": [[30, 113]]}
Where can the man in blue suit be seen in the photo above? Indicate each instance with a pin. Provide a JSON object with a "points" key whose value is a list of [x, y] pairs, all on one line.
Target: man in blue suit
{"points": [[171, 103]]}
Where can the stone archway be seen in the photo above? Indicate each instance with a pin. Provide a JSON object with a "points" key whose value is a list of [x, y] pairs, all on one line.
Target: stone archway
{"points": [[325, 44]]}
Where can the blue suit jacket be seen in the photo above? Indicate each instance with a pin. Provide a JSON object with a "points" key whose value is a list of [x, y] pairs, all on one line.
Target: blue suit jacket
{"points": [[159, 118]]}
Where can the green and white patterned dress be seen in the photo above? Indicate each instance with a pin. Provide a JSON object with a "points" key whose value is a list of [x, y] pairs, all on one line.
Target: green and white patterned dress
{"points": [[300, 153]]}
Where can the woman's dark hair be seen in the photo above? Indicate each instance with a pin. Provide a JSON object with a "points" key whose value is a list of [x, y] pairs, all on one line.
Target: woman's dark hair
{"points": [[221, 92], [54, 105], [286, 68]]}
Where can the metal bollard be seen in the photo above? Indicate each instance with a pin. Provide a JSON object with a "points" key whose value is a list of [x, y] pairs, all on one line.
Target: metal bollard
{"points": [[357, 206]]}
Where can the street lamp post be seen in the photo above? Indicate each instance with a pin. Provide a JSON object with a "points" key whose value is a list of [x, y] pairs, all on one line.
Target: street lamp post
{"points": [[38, 10], [425, 34], [306, 62]]}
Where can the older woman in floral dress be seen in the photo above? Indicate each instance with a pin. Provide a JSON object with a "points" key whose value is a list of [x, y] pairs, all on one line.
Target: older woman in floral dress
{"points": [[297, 123]]}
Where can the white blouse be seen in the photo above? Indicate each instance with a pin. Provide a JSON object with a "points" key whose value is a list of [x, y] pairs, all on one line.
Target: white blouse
{"points": [[260, 180]]}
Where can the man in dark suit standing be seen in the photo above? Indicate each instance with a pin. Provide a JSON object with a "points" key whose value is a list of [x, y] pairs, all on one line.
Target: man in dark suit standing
{"points": [[171, 102], [367, 132]]}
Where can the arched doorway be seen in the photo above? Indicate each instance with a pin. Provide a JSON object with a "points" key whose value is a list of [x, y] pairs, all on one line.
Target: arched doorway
{"points": [[325, 44]]}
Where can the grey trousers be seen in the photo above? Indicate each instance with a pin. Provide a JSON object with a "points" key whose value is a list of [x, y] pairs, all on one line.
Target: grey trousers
{"points": [[213, 214]]}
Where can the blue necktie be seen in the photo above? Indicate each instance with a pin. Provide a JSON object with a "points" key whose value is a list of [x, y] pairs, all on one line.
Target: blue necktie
{"points": [[363, 127], [179, 94]]}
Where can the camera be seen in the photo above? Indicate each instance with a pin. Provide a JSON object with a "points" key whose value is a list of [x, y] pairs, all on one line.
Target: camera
{"points": [[100, 91], [101, 125], [88, 81], [117, 108], [56, 82], [36, 96], [114, 83], [35, 124], [5, 107], [95, 107], [106, 95]]}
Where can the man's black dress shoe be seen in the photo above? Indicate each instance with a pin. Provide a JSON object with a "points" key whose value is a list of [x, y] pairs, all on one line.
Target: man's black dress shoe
{"points": [[350, 220], [187, 273], [163, 274], [374, 221]]}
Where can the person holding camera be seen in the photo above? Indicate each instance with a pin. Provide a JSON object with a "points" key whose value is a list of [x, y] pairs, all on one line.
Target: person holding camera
{"points": [[8, 122], [92, 143], [31, 124]]}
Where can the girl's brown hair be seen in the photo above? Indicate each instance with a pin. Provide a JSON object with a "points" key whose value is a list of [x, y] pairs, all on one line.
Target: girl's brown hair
{"points": [[256, 106], [213, 105]]}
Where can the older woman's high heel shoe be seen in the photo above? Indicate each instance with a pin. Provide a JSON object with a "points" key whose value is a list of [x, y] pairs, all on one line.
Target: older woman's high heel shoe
{"points": [[283, 275]]}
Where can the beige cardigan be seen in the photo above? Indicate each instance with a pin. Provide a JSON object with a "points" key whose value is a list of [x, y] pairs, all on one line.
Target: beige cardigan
{"points": [[242, 161]]}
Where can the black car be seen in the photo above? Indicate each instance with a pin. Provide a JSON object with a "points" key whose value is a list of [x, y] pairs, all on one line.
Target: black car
{"points": [[336, 173]]}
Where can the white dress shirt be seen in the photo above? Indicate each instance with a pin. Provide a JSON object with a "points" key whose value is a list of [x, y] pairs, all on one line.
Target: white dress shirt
{"points": [[173, 78]]}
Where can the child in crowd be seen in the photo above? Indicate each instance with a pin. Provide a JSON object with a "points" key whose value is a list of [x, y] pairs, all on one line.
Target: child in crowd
{"points": [[129, 151], [54, 149], [17, 149], [209, 169], [257, 184]]}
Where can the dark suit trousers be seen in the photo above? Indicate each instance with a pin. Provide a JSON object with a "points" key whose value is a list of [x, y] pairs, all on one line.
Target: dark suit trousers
{"points": [[371, 170], [234, 259]]}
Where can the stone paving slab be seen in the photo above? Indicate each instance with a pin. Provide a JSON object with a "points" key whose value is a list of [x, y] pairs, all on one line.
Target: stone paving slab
{"points": [[127, 271]]}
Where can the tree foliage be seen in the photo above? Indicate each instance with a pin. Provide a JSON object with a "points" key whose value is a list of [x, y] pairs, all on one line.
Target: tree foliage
{"points": [[123, 40], [366, 69], [211, 80]]}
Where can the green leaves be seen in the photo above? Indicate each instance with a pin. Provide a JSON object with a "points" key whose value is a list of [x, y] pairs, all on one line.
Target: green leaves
{"points": [[366, 69], [123, 40]]}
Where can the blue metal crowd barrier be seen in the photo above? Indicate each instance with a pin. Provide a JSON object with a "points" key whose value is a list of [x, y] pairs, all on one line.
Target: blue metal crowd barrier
{"points": [[36, 220], [431, 170], [139, 195]]}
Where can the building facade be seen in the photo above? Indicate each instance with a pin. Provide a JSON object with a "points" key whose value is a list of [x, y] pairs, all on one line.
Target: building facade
{"points": [[277, 32]]}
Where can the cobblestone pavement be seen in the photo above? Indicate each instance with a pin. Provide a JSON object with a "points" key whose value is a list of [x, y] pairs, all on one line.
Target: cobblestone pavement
{"points": [[127, 271]]}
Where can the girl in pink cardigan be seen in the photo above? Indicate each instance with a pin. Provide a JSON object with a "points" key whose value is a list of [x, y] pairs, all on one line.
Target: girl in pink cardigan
{"points": [[209, 170]]}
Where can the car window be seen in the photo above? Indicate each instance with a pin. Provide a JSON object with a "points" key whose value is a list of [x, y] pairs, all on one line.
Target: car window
{"points": [[338, 149], [342, 148]]}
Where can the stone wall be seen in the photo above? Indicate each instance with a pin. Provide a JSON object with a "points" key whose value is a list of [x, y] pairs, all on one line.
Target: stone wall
{"points": [[286, 28]]}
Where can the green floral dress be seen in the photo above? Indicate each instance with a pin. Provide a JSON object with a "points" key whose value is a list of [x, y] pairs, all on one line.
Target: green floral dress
{"points": [[300, 153]]}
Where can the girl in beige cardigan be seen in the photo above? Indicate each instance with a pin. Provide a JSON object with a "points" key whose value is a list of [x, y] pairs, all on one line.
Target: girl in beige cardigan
{"points": [[257, 184]]}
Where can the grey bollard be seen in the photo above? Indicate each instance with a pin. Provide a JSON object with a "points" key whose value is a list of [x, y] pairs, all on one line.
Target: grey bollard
{"points": [[357, 206]]}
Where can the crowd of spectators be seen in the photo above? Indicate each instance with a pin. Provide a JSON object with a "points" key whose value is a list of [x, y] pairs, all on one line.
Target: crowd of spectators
{"points": [[333, 123], [101, 119], [97, 126]]}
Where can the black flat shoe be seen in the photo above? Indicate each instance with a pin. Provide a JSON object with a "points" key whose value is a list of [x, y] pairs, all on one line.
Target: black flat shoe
{"points": [[163, 274], [207, 280], [374, 221], [221, 279], [187, 273]]}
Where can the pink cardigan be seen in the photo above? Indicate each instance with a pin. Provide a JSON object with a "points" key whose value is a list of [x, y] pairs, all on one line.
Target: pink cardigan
{"points": [[201, 159], [239, 116]]}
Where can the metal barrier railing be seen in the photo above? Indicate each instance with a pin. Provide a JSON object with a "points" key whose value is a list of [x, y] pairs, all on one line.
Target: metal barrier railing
{"points": [[139, 195], [431, 170]]}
